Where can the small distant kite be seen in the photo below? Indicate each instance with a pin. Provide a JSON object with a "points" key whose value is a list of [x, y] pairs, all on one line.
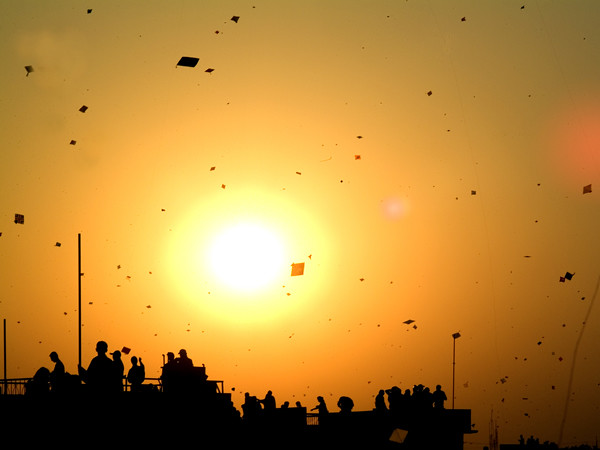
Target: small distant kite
{"points": [[235, 18], [188, 61], [408, 322], [83, 109], [29, 69], [568, 276], [19, 218], [587, 189]]}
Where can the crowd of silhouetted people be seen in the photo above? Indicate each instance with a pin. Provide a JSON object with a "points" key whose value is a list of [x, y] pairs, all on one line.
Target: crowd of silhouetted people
{"points": [[105, 374]]}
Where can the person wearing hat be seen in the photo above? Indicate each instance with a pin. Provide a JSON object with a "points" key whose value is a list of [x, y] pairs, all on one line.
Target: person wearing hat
{"points": [[184, 362]]}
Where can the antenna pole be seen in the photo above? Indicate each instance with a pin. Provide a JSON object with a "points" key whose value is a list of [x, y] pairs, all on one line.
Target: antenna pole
{"points": [[5, 380], [79, 291]]}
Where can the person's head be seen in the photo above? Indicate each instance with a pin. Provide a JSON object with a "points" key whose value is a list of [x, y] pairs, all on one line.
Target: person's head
{"points": [[438, 388], [134, 360], [116, 355], [54, 356], [170, 356], [182, 353], [101, 347]]}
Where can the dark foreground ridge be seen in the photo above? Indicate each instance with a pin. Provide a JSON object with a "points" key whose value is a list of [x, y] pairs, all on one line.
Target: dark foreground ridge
{"points": [[101, 406]]}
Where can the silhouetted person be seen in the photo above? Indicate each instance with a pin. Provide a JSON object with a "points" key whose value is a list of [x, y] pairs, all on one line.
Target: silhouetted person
{"points": [[345, 404], [99, 376], [269, 403], [136, 374], [299, 405], [285, 405], [251, 407], [439, 397], [39, 384], [395, 399], [168, 369], [57, 376], [184, 362], [321, 407], [380, 405], [119, 370]]}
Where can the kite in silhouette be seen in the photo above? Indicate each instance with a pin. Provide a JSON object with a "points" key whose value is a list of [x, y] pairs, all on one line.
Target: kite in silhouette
{"points": [[83, 109], [188, 61], [19, 218], [29, 69], [235, 18], [587, 189]]}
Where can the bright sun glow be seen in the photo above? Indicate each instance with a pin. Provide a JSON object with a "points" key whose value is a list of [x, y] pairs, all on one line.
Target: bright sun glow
{"points": [[246, 256]]}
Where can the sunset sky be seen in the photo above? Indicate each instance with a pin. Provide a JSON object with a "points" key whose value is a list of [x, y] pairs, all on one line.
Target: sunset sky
{"points": [[425, 160]]}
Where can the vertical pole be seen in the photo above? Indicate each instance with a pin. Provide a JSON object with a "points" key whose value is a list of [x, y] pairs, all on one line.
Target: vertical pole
{"points": [[5, 380], [79, 293], [453, 367]]}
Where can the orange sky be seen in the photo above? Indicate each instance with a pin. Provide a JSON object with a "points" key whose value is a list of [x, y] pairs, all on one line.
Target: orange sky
{"points": [[466, 206]]}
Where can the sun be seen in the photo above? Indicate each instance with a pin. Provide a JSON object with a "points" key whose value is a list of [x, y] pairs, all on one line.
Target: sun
{"points": [[246, 256]]}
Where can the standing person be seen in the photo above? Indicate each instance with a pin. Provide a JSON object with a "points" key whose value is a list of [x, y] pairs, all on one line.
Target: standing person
{"points": [[99, 375], [118, 370], [184, 362], [57, 376], [269, 403], [380, 405], [136, 374], [321, 408], [439, 397]]}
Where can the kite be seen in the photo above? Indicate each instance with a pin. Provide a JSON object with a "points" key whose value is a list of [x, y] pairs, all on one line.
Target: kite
{"points": [[58, 244], [125, 350], [408, 322], [19, 218], [83, 109], [29, 69], [587, 189], [209, 70], [297, 269], [235, 18], [188, 61], [356, 157], [73, 142], [398, 435]]}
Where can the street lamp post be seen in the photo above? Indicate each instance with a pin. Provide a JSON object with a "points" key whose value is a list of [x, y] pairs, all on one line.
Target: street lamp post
{"points": [[455, 336]]}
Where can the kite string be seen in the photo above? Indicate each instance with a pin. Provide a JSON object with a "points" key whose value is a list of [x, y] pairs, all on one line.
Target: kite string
{"points": [[477, 183], [572, 372]]}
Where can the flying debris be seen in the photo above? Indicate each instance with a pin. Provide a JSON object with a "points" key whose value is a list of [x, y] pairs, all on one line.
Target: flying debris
{"points": [[587, 189], [235, 18], [19, 218], [29, 69], [297, 269], [83, 109], [188, 61]]}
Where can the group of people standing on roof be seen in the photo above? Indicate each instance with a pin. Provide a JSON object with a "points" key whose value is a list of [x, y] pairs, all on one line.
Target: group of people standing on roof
{"points": [[103, 375]]}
